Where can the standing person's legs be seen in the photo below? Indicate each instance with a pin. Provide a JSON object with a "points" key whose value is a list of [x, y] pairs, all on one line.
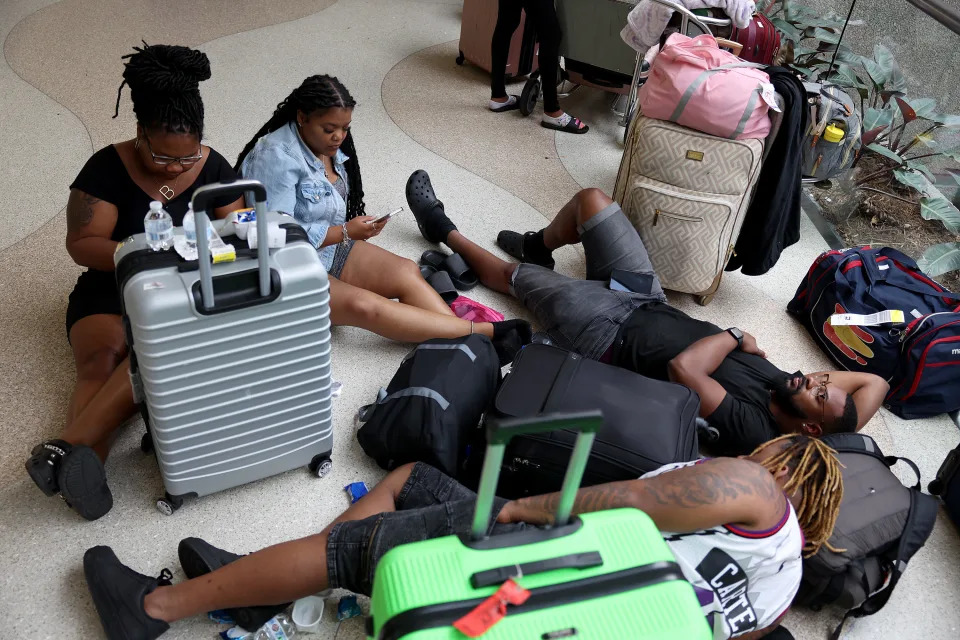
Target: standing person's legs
{"points": [[543, 13], [508, 19]]}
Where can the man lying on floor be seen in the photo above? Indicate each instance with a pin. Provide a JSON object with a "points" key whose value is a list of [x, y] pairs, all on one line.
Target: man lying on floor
{"points": [[730, 523], [619, 315]]}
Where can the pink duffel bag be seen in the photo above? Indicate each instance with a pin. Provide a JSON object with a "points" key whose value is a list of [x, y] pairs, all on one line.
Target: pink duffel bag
{"points": [[696, 84]]}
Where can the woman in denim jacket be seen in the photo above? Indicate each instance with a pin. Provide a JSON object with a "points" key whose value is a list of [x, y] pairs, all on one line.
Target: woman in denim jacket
{"points": [[305, 157]]}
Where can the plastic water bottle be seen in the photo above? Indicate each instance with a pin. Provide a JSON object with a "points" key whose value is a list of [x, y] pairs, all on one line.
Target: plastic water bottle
{"points": [[190, 227], [159, 227], [280, 627]]}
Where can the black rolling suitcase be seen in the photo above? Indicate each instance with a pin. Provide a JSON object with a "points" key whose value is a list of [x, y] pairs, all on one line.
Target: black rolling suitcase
{"points": [[947, 485], [646, 423]]}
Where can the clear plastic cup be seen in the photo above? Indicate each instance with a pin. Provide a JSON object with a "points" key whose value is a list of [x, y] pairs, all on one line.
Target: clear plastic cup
{"points": [[307, 614]]}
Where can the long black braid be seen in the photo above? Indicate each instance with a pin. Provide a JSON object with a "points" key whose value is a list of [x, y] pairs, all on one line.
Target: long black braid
{"points": [[164, 83], [315, 94]]}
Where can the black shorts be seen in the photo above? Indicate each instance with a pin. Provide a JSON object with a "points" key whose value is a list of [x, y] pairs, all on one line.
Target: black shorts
{"points": [[430, 505], [95, 292]]}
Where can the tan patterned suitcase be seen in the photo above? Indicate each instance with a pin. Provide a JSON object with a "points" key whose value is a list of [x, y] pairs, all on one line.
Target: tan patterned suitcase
{"points": [[686, 192]]}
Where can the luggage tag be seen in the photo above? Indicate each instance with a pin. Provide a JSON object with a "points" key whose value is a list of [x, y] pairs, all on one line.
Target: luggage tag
{"points": [[890, 316], [769, 94], [493, 609]]}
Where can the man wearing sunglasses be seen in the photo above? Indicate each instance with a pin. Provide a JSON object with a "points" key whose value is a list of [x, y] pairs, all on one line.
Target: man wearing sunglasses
{"points": [[618, 314]]}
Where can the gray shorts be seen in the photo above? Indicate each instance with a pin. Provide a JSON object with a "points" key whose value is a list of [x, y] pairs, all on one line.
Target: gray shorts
{"points": [[430, 505], [585, 315]]}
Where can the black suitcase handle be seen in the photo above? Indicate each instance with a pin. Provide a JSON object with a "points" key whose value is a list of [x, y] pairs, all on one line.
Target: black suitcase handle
{"points": [[490, 577], [500, 432]]}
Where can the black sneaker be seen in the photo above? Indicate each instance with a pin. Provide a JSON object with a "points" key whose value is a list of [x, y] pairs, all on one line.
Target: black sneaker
{"points": [[118, 592], [198, 558], [43, 465], [83, 483]]}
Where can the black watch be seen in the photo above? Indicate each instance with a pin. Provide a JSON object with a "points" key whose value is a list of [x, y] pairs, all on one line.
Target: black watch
{"points": [[737, 335]]}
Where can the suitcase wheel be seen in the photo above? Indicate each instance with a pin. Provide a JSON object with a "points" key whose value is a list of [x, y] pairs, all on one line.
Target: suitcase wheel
{"points": [[168, 504], [460, 59], [530, 94], [935, 487], [705, 300], [321, 465], [146, 443]]}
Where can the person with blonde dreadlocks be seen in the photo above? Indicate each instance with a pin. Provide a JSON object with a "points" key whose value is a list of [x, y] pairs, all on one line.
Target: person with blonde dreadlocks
{"points": [[737, 526]]}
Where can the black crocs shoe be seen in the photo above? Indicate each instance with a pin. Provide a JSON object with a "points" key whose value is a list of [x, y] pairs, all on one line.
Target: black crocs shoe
{"points": [[427, 209], [43, 465], [198, 558], [83, 483], [118, 593], [513, 244]]}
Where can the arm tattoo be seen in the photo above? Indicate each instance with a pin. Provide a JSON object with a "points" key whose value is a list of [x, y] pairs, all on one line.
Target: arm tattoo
{"points": [[80, 211], [704, 485], [709, 486]]}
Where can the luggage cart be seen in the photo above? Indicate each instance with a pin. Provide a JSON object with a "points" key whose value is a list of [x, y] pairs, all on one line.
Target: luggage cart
{"points": [[594, 55]]}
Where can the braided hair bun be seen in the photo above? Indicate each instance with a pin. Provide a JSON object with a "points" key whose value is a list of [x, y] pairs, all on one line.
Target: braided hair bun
{"points": [[164, 83]]}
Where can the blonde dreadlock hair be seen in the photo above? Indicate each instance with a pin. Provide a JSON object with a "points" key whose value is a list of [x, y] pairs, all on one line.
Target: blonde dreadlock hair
{"points": [[815, 472]]}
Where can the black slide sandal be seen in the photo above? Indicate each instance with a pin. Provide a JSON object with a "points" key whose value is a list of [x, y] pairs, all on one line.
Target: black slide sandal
{"points": [[83, 483], [512, 243], [440, 281], [454, 265], [574, 126], [508, 106]]}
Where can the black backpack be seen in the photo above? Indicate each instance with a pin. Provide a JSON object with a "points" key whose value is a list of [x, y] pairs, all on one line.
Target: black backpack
{"points": [[432, 404], [881, 525]]}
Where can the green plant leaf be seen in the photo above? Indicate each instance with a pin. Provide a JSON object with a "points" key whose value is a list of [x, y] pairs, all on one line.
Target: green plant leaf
{"points": [[940, 259], [923, 107], [823, 35], [846, 76], [917, 181], [874, 118], [939, 208], [884, 61], [877, 74], [897, 81], [945, 120], [787, 29], [916, 165], [882, 150]]}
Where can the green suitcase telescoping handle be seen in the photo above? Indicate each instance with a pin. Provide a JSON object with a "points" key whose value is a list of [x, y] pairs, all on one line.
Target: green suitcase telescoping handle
{"points": [[500, 432], [202, 197]]}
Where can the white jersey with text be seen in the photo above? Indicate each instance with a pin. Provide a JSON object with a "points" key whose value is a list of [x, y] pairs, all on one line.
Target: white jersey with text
{"points": [[745, 580]]}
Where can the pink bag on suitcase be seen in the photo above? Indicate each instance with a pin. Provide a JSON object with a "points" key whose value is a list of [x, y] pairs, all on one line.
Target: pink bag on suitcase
{"points": [[698, 85]]}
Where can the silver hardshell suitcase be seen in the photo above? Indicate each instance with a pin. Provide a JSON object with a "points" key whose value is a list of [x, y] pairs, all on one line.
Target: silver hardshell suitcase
{"points": [[230, 361]]}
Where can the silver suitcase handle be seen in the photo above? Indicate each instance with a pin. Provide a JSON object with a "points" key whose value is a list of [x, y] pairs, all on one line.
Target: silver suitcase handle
{"points": [[500, 432], [202, 198]]}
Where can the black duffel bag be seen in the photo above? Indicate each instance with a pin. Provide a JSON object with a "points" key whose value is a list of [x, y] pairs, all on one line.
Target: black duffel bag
{"points": [[432, 404], [646, 423]]}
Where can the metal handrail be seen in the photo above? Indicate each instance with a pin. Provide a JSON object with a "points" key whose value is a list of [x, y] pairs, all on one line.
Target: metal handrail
{"points": [[947, 16]]}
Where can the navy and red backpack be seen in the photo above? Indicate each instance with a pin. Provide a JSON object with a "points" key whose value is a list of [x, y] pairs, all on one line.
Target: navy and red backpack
{"points": [[919, 358]]}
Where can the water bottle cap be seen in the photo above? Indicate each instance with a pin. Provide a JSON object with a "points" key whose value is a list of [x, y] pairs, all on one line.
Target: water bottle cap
{"points": [[833, 133], [156, 205]]}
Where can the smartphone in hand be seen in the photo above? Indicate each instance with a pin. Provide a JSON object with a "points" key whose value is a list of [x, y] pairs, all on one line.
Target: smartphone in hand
{"points": [[386, 216]]}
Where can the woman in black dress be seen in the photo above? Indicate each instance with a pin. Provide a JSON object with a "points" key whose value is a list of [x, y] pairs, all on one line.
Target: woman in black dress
{"points": [[108, 201]]}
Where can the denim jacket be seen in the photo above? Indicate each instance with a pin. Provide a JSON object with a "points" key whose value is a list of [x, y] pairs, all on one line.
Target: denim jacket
{"points": [[297, 184]]}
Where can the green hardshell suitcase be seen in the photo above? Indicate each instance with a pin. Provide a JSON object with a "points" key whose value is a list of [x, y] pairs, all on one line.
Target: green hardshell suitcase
{"points": [[607, 575]]}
